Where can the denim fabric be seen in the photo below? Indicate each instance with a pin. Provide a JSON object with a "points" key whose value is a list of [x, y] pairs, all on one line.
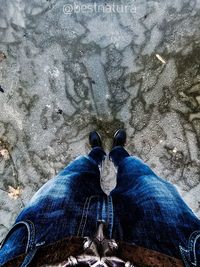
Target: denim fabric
{"points": [[143, 209], [150, 212]]}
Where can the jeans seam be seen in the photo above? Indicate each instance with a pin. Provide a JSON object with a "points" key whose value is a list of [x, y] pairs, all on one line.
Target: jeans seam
{"points": [[29, 257], [98, 209], [191, 249], [86, 213], [110, 215], [83, 213], [31, 233]]}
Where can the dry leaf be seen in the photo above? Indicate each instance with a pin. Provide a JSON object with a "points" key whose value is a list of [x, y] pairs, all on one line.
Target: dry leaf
{"points": [[14, 192], [5, 154], [161, 59], [2, 56]]}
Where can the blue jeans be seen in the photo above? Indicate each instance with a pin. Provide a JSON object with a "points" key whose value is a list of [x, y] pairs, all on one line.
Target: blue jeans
{"points": [[143, 209]]}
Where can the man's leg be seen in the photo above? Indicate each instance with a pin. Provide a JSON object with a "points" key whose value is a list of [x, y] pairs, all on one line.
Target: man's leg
{"points": [[65, 194], [148, 210], [66, 205], [97, 155]]}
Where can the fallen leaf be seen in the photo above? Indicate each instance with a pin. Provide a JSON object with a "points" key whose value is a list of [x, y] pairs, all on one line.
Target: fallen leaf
{"points": [[14, 192], [161, 59], [5, 154], [2, 56]]}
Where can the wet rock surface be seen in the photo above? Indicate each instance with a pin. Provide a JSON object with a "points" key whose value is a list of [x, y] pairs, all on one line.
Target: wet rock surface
{"points": [[63, 74]]}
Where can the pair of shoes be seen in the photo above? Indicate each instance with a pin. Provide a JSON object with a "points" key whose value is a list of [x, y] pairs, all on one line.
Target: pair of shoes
{"points": [[119, 139]]}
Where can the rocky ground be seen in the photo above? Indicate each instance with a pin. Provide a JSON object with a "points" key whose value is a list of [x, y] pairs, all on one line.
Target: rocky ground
{"points": [[70, 67]]}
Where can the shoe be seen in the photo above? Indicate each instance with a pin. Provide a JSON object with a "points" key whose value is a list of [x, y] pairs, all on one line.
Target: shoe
{"points": [[95, 139], [119, 138]]}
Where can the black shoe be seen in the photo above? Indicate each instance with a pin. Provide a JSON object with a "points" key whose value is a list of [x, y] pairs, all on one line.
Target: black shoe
{"points": [[95, 139], [119, 138]]}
